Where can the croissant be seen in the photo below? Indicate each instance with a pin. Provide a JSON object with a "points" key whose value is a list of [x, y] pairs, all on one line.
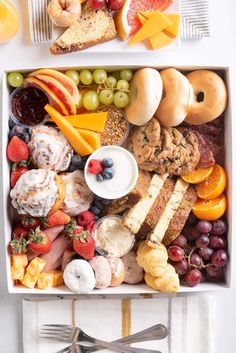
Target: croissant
{"points": [[168, 282]]}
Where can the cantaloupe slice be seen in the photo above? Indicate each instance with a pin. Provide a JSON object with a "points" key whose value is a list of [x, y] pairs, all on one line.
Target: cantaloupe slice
{"points": [[79, 144], [91, 137]]}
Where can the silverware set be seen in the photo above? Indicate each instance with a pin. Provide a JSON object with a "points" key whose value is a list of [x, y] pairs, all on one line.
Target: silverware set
{"points": [[77, 337]]}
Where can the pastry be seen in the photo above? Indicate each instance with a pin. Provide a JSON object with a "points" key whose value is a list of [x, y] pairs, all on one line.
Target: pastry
{"points": [[117, 271], [145, 95], [168, 282], [133, 272], [49, 148], [102, 271], [210, 97], [78, 197], [38, 192], [177, 97], [79, 277], [64, 13]]}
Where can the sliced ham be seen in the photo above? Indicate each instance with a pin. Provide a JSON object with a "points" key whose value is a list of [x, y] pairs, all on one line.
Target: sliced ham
{"points": [[67, 257], [52, 258], [207, 159]]}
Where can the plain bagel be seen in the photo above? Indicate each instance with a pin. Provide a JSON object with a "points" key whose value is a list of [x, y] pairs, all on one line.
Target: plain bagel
{"points": [[145, 95], [211, 89], [177, 96]]}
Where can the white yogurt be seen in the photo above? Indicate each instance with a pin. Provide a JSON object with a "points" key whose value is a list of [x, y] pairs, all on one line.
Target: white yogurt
{"points": [[125, 173]]}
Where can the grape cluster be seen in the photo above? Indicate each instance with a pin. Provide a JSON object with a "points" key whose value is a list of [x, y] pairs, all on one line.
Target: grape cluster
{"points": [[113, 5], [200, 252], [105, 89]]}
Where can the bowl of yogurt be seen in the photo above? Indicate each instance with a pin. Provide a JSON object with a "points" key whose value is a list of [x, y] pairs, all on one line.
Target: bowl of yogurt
{"points": [[125, 173]]}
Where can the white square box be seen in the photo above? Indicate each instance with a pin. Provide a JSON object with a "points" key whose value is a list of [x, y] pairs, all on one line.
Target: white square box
{"points": [[7, 213]]}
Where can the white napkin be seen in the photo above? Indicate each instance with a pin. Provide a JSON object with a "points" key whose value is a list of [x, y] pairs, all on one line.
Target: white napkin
{"points": [[189, 320], [195, 19]]}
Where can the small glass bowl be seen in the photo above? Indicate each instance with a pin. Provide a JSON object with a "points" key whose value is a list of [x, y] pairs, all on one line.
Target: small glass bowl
{"points": [[104, 252]]}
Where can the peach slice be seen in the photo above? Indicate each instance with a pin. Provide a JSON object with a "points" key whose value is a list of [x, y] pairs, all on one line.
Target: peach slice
{"points": [[63, 79], [60, 91], [55, 101]]}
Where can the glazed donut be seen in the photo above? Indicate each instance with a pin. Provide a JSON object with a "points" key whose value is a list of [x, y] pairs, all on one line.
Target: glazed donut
{"points": [[145, 95], [133, 272], [102, 270], [79, 277], [117, 271], [214, 93], [64, 13], [177, 96]]}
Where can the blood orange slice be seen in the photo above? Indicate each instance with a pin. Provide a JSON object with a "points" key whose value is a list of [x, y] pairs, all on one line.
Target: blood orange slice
{"points": [[127, 21]]}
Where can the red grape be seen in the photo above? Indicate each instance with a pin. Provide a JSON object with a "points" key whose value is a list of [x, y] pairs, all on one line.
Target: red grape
{"points": [[181, 267], [202, 241], [180, 241], [204, 226], [115, 5], [97, 4], [193, 277], [217, 242], [188, 232], [195, 233], [206, 253], [175, 253], [192, 219], [215, 272], [218, 227], [195, 260], [219, 258]]}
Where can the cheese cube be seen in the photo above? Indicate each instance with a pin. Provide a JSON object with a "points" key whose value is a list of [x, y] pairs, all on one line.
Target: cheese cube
{"points": [[58, 278], [45, 280], [36, 266], [160, 40], [29, 280], [19, 261], [17, 273]]}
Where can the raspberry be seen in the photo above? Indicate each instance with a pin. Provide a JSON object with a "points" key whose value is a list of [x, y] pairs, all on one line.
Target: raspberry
{"points": [[85, 218], [90, 226], [95, 166]]}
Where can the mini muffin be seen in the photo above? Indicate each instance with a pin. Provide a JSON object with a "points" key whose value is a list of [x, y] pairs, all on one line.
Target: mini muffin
{"points": [[117, 271], [49, 148], [38, 192], [133, 272], [102, 270]]}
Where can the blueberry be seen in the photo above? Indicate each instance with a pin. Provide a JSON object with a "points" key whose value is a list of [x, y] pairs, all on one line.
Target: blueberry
{"points": [[95, 210], [96, 218], [108, 173], [72, 168], [83, 162], [21, 132], [11, 123], [106, 202], [98, 204], [99, 178], [76, 160], [107, 162]]}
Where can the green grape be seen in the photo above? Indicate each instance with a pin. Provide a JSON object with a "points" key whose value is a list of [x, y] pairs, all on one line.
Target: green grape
{"points": [[121, 99], [86, 77], [110, 82], [90, 100], [116, 74], [126, 74], [106, 97], [80, 102], [99, 76], [73, 75], [15, 79], [122, 85]]}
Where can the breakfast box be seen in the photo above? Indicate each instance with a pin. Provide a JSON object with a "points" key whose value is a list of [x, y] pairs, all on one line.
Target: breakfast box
{"points": [[124, 289]]}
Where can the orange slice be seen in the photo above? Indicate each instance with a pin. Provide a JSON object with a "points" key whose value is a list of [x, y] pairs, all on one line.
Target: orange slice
{"points": [[210, 210], [214, 185], [197, 176]]}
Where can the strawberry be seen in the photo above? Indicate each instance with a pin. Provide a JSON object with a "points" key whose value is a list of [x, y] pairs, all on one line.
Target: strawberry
{"points": [[19, 232], [55, 219], [18, 246], [95, 166], [90, 226], [39, 241], [83, 243], [30, 222], [85, 217], [17, 150], [16, 171]]}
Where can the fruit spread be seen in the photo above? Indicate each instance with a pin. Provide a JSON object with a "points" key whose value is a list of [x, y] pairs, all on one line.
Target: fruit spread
{"points": [[153, 210], [27, 106], [112, 238]]}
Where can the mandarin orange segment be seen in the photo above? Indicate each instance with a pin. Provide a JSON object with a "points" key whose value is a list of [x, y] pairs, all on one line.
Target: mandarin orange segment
{"points": [[214, 185], [210, 210], [197, 176]]}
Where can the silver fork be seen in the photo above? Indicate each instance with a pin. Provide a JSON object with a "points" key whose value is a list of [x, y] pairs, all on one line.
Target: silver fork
{"points": [[153, 333], [74, 334]]}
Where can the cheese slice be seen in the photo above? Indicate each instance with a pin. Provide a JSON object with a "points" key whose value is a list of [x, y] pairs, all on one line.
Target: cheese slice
{"points": [[154, 25], [160, 40], [141, 18]]}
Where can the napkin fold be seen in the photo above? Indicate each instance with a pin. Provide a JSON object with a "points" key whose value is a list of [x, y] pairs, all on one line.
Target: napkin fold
{"points": [[189, 320], [195, 19]]}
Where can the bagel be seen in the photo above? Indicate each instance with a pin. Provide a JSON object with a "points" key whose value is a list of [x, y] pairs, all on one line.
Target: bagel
{"points": [[79, 277], [145, 95], [177, 96], [214, 97], [64, 13]]}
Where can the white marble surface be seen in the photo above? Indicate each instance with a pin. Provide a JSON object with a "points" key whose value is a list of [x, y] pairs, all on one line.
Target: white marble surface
{"points": [[220, 49]]}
